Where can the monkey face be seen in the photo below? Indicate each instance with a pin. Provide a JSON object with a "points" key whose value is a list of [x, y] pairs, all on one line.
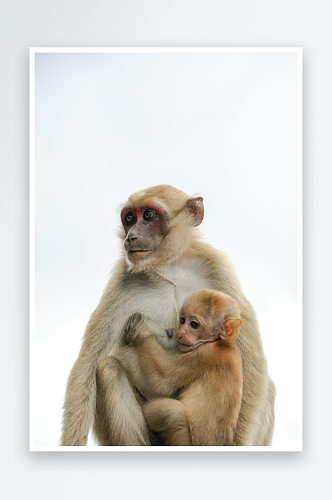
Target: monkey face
{"points": [[196, 328], [158, 224], [145, 226]]}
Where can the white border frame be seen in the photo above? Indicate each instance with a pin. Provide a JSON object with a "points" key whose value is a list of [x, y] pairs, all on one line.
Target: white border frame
{"points": [[162, 50]]}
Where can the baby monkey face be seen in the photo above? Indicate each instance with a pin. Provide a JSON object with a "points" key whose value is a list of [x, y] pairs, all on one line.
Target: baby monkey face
{"points": [[207, 316], [196, 327]]}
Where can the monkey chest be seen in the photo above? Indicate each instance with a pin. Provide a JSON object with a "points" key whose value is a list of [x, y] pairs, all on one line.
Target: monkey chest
{"points": [[183, 279], [176, 283], [186, 277], [160, 297]]}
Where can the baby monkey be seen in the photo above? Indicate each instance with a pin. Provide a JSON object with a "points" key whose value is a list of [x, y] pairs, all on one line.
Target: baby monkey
{"points": [[195, 395]]}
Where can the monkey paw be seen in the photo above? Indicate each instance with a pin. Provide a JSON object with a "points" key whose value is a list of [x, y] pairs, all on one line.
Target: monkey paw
{"points": [[131, 331]]}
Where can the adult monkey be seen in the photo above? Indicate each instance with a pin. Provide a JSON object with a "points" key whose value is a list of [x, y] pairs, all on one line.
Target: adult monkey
{"points": [[165, 261]]}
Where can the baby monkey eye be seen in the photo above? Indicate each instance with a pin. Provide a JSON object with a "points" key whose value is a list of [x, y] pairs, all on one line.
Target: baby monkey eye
{"points": [[148, 215], [194, 324], [182, 320], [129, 217]]}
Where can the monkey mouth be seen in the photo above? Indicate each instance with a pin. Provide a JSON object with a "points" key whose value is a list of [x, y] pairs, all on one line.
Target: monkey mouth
{"points": [[139, 253], [185, 347]]}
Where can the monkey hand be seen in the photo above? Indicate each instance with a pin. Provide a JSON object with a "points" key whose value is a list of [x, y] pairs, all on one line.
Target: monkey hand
{"points": [[132, 330]]}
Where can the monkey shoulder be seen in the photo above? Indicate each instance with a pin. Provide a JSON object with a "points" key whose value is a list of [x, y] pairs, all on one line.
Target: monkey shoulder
{"points": [[187, 275], [230, 359], [218, 269], [206, 357], [221, 354]]}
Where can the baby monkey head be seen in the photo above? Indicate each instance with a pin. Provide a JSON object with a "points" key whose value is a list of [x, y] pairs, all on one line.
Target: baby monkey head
{"points": [[207, 316]]}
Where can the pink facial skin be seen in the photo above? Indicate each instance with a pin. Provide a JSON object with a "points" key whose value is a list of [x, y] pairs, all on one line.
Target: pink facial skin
{"points": [[144, 226]]}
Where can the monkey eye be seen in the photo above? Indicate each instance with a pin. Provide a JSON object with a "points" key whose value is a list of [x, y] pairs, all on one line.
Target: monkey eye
{"points": [[148, 215], [182, 320], [129, 217], [194, 324]]}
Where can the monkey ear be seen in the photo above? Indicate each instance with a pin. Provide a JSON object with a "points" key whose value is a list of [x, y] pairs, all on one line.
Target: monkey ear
{"points": [[196, 210], [231, 329]]}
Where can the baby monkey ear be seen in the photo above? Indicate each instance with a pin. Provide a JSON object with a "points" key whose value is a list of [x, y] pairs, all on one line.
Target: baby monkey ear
{"points": [[230, 329]]}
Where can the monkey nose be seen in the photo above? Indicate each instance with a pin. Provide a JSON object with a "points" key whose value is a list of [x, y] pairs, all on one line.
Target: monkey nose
{"points": [[169, 332]]}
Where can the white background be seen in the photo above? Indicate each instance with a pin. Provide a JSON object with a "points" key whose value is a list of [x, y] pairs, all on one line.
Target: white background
{"points": [[224, 125], [209, 23]]}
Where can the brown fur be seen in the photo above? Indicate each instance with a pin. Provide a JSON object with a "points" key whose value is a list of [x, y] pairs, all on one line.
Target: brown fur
{"points": [[157, 287], [207, 380]]}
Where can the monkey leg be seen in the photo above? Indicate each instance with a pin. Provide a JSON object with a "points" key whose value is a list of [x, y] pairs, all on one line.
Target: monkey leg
{"points": [[168, 416], [265, 434], [119, 419], [256, 421]]}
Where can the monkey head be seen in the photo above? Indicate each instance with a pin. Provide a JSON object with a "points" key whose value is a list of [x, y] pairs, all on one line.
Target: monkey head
{"points": [[155, 221], [207, 316]]}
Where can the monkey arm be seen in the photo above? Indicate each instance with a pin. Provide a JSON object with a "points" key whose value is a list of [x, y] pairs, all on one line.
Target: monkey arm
{"points": [[113, 423], [165, 373], [80, 400], [138, 326], [79, 404]]}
